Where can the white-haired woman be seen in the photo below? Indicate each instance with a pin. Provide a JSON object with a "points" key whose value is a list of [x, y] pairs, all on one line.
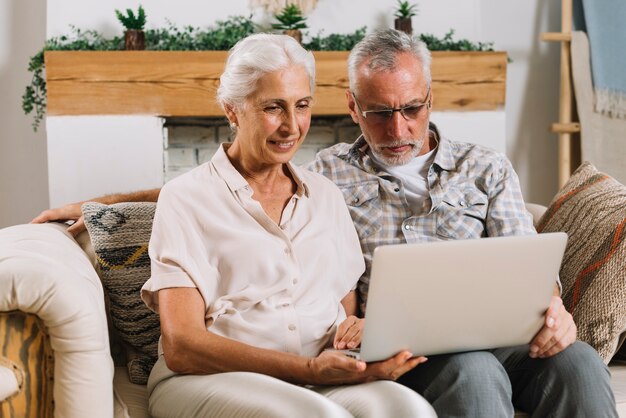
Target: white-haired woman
{"points": [[254, 263]]}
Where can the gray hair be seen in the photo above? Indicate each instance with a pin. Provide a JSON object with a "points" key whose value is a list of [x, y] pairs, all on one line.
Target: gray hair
{"points": [[380, 50], [253, 57]]}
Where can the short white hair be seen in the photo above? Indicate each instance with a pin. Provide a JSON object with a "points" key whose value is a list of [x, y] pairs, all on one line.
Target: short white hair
{"points": [[253, 57], [380, 50]]}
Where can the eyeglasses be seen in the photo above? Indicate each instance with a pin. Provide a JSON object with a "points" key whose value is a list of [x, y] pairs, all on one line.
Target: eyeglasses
{"points": [[409, 113]]}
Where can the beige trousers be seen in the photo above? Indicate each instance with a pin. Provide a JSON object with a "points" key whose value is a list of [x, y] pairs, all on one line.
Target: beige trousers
{"points": [[244, 394]]}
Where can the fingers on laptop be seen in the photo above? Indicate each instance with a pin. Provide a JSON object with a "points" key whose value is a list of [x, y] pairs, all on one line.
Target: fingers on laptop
{"points": [[396, 366], [558, 333], [349, 333]]}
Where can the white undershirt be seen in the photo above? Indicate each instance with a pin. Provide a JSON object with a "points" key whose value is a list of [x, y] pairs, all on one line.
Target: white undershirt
{"points": [[414, 178]]}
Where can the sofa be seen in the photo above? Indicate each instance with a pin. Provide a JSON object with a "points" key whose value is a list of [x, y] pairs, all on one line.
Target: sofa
{"points": [[57, 337]]}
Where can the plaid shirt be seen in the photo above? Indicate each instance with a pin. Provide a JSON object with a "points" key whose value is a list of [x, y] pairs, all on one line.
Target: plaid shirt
{"points": [[474, 193]]}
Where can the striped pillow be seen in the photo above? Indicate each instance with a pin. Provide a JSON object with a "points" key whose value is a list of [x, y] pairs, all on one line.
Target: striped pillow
{"points": [[591, 208], [120, 234]]}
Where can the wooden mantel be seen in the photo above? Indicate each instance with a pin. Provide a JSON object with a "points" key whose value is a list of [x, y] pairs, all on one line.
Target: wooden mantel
{"points": [[183, 83]]}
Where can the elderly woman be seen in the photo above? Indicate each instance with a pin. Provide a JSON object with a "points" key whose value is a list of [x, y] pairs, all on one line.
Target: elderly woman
{"points": [[254, 263]]}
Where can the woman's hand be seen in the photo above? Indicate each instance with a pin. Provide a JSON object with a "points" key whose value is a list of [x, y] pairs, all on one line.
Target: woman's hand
{"points": [[334, 368], [349, 333]]}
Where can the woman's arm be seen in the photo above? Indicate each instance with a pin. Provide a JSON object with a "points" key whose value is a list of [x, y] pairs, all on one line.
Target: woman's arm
{"points": [[190, 349]]}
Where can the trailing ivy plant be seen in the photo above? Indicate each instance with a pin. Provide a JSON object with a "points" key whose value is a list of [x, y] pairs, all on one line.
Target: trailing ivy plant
{"points": [[130, 21], [34, 98]]}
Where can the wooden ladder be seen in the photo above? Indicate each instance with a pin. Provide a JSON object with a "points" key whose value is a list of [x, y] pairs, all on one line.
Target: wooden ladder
{"points": [[569, 143]]}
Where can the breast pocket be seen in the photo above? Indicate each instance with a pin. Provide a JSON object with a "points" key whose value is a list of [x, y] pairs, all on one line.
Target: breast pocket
{"points": [[462, 214], [364, 205]]}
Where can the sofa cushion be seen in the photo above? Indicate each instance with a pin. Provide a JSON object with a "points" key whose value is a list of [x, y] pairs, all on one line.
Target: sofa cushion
{"points": [[591, 208], [120, 234]]}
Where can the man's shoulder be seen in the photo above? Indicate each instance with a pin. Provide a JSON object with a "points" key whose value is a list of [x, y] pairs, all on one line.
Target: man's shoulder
{"points": [[336, 163], [330, 154], [471, 155]]}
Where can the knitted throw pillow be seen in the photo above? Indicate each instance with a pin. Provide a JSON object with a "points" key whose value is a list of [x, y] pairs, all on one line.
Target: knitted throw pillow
{"points": [[591, 208], [120, 234]]}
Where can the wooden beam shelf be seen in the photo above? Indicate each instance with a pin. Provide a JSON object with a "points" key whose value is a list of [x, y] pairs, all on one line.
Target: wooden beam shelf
{"points": [[183, 83]]}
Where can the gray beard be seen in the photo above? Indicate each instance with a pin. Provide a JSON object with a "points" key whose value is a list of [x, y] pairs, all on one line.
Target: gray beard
{"points": [[398, 160]]}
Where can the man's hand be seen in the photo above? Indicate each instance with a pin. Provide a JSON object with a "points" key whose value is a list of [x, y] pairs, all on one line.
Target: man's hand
{"points": [[558, 332], [64, 213], [349, 333], [334, 368]]}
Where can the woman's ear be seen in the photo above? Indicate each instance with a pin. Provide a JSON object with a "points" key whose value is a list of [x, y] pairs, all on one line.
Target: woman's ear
{"points": [[230, 114]]}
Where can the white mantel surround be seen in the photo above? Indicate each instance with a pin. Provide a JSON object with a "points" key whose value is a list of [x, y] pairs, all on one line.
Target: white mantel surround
{"points": [[90, 156]]}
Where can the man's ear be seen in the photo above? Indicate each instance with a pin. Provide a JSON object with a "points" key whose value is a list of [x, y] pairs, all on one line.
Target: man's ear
{"points": [[352, 106]]}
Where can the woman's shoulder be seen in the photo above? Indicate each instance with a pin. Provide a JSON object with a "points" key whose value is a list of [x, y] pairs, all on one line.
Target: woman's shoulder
{"points": [[197, 178]]}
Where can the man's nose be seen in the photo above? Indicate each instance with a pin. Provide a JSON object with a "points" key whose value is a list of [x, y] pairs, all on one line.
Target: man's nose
{"points": [[396, 126]]}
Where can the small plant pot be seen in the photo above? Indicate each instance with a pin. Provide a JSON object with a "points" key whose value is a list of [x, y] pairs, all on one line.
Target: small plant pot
{"points": [[134, 40], [295, 34], [404, 24]]}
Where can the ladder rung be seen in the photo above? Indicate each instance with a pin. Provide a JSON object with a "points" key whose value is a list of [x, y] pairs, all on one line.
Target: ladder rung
{"points": [[556, 36], [565, 128]]}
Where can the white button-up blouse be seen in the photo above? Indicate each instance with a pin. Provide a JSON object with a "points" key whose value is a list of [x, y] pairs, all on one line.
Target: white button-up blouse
{"points": [[267, 285]]}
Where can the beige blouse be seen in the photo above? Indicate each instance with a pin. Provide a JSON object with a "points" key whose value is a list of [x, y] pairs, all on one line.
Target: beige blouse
{"points": [[271, 286]]}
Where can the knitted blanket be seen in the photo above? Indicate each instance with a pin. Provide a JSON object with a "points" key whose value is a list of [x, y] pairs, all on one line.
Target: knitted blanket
{"points": [[605, 24]]}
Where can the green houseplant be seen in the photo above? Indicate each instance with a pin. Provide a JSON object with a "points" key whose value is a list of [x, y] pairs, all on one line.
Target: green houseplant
{"points": [[134, 37], [404, 12], [290, 21]]}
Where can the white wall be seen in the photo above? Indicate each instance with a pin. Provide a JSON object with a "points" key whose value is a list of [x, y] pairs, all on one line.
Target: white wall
{"points": [[23, 172], [532, 85], [96, 155]]}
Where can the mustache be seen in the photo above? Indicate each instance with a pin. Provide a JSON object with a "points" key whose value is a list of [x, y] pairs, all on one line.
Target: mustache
{"points": [[401, 143]]}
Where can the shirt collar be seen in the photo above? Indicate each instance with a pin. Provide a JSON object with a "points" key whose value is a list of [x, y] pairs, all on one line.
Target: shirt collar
{"points": [[235, 181]]}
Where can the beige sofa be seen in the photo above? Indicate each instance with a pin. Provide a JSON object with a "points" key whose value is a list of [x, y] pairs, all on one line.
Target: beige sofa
{"points": [[55, 358]]}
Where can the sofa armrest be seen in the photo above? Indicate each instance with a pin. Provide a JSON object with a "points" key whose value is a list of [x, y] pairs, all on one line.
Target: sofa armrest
{"points": [[536, 211], [44, 272]]}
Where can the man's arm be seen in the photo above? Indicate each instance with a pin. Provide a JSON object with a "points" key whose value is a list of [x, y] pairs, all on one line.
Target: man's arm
{"points": [[72, 211]]}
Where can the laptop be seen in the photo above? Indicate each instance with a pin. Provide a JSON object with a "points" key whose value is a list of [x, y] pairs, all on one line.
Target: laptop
{"points": [[454, 296]]}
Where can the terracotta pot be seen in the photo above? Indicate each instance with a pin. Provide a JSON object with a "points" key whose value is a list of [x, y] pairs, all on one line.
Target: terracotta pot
{"points": [[404, 24], [134, 40], [295, 34]]}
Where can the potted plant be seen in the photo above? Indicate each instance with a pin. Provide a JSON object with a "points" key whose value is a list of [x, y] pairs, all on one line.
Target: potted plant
{"points": [[290, 21], [134, 37], [403, 14]]}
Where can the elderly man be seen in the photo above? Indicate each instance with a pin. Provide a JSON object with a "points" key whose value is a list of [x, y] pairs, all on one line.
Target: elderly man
{"points": [[404, 182]]}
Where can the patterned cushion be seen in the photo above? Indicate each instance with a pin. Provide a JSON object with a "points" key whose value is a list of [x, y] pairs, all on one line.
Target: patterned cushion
{"points": [[120, 234], [591, 208]]}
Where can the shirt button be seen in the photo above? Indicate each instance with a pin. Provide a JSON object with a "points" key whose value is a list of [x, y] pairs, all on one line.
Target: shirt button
{"points": [[285, 305], [407, 227], [462, 203], [294, 281], [291, 327], [397, 189]]}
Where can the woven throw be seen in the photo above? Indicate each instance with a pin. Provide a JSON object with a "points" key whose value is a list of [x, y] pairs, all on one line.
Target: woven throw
{"points": [[591, 208], [120, 234]]}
